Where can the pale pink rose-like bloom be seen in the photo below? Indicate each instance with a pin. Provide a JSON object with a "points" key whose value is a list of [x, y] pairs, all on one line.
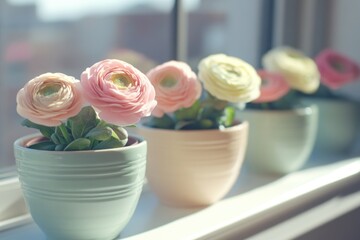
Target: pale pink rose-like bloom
{"points": [[299, 70], [176, 87], [336, 69], [50, 99], [273, 87], [120, 93]]}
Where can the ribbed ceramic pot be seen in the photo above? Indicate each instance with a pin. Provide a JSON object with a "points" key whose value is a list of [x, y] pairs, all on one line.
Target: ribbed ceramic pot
{"points": [[339, 124], [190, 168], [280, 141], [81, 194]]}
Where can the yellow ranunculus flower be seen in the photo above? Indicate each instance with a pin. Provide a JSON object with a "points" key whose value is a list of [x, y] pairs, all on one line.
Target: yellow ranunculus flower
{"points": [[300, 71], [229, 78]]}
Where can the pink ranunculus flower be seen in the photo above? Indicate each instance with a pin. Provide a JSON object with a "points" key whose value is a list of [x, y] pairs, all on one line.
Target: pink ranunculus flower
{"points": [[273, 87], [120, 93], [50, 99], [336, 69], [176, 87]]}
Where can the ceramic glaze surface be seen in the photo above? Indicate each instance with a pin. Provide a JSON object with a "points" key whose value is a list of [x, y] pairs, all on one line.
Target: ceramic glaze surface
{"points": [[280, 141], [82, 194], [339, 125], [195, 167]]}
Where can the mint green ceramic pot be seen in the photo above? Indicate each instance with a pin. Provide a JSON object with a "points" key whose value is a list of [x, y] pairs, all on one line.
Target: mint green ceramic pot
{"points": [[339, 125], [81, 194], [280, 141]]}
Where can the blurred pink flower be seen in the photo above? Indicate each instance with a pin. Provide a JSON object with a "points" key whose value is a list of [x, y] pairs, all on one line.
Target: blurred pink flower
{"points": [[273, 86], [336, 69], [120, 93], [49, 99], [176, 87]]}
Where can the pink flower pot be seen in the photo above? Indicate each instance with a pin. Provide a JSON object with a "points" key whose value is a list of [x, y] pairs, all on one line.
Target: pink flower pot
{"points": [[192, 168]]}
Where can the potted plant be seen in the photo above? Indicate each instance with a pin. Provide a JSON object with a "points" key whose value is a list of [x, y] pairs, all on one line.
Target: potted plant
{"points": [[283, 128], [196, 141], [82, 177], [339, 114]]}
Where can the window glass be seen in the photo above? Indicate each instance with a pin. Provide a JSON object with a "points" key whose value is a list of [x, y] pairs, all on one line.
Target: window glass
{"points": [[38, 36], [232, 27]]}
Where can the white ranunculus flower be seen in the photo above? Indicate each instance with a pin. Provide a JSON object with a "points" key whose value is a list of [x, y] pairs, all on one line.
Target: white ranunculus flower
{"points": [[229, 78], [300, 71]]}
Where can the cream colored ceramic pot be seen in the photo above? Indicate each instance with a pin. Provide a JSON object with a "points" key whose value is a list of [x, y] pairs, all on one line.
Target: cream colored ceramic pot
{"points": [[280, 141], [190, 168], [339, 125]]}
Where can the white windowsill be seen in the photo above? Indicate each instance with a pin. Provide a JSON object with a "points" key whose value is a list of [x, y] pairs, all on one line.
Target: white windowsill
{"points": [[13, 211], [254, 198]]}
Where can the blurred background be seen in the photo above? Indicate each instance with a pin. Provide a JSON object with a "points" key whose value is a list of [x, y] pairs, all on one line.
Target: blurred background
{"points": [[38, 36]]}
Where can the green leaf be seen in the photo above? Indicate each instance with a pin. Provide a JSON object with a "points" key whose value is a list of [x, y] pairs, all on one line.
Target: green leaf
{"points": [[185, 125], [94, 143], [60, 136], [209, 113], [121, 133], [60, 147], [82, 123], [47, 145], [45, 131], [206, 124], [165, 122], [190, 113], [68, 124], [110, 143], [78, 145], [54, 137], [100, 133], [101, 123], [64, 133], [228, 116], [60, 130], [215, 103]]}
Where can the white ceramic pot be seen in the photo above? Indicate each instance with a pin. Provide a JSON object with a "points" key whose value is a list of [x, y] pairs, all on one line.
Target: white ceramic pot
{"points": [[82, 194], [280, 141], [190, 168], [339, 125]]}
